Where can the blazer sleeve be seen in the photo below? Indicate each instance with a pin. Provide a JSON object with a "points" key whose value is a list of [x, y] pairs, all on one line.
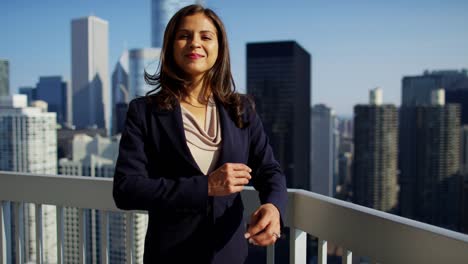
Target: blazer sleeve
{"points": [[133, 189], [268, 178]]}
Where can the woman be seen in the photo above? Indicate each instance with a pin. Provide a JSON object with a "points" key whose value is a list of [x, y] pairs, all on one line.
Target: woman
{"points": [[188, 150]]}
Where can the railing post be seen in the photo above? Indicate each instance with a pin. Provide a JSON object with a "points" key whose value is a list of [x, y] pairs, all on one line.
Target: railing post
{"points": [[39, 245], [104, 237], [2, 234], [271, 254], [298, 246], [59, 234], [18, 236], [322, 251], [82, 219], [347, 257], [129, 237]]}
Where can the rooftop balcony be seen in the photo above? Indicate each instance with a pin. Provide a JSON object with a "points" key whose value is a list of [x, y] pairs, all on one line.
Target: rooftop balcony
{"points": [[379, 236]]}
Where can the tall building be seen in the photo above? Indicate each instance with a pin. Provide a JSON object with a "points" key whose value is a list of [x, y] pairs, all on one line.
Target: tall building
{"points": [[30, 92], [419, 94], [464, 207], [90, 74], [57, 94], [4, 78], [28, 143], [95, 157], [161, 13], [141, 60], [437, 164], [120, 92], [324, 165], [375, 155], [417, 90], [279, 78]]}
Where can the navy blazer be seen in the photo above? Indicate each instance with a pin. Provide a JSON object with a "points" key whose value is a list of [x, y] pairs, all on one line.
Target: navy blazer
{"points": [[156, 172]]}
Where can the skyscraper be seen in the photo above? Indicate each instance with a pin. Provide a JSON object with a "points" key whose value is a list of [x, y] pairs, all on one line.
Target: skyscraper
{"points": [[437, 164], [141, 60], [95, 157], [57, 94], [419, 92], [120, 93], [28, 143], [324, 155], [279, 78], [4, 78], [29, 91], [375, 156], [161, 13], [90, 74]]}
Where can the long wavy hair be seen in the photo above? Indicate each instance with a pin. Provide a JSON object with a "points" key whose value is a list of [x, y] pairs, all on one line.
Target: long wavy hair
{"points": [[170, 82]]}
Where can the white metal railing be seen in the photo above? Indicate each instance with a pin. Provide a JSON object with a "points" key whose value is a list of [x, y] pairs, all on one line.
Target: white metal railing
{"points": [[379, 236]]}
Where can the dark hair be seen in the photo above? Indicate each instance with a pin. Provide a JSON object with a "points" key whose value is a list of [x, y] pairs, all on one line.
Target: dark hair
{"points": [[169, 79]]}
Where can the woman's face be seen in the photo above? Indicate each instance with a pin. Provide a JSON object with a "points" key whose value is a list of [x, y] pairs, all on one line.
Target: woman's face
{"points": [[196, 45]]}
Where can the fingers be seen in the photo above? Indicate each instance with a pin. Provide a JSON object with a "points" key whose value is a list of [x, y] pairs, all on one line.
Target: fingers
{"points": [[264, 226], [238, 167], [241, 174], [229, 178], [258, 223], [267, 237]]}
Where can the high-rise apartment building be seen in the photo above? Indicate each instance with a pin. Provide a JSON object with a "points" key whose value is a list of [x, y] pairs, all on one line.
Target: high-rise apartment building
{"points": [[90, 74], [437, 164], [95, 157], [28, 143], [4, 78], [324, 165], [57, 94], [161, 13], [423, 100], [279, 78], [376, 153]]}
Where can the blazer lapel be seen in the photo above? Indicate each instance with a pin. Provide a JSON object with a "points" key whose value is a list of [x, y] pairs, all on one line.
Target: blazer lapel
{"points": [[171, 122], [227, 128]]}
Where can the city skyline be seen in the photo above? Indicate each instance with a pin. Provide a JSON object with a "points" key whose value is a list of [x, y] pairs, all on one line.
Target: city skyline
{"points": [[383, 41]]}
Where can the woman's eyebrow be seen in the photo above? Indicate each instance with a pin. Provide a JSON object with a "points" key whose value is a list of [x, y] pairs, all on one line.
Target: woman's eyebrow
{"points": [[201, 31]]}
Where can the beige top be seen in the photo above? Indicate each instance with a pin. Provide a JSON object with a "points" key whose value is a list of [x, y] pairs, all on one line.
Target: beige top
{"points": [[204, 142]]}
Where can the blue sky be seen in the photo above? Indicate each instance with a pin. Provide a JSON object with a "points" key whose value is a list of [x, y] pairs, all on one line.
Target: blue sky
{"points": [[355, 45]]}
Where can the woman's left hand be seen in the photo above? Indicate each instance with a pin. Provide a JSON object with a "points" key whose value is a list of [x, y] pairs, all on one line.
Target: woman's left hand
{"points": [[264, 228]]}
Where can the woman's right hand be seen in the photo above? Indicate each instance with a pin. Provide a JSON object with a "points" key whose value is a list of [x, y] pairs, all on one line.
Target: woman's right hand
{"points": [[229, 178]]}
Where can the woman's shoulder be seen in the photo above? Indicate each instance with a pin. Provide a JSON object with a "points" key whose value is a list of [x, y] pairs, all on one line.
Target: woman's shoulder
{"points": [[146, 102]]}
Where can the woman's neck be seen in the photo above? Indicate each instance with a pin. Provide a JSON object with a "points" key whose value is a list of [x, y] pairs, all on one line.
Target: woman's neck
{"points": [[197, 93]]}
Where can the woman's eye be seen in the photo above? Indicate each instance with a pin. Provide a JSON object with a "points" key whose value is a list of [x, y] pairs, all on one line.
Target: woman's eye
{"points": [[206, 38]]}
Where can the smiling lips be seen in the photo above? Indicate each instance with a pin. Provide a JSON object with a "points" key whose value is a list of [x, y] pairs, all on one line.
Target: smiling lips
{"points": [[194, 56]]}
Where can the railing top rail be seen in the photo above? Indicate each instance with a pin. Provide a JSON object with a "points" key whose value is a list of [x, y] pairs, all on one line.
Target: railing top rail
{"points": [[384, 237]]}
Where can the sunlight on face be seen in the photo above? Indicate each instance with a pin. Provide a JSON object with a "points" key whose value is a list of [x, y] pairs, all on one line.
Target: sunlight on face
{"points": [[196, 45]]}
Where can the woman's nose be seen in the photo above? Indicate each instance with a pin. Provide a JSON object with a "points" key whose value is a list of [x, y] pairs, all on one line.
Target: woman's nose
{"points": [[194, 43]]}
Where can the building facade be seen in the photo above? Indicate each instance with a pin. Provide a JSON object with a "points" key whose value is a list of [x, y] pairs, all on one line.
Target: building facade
{"points": [[279, 79], [4, 77], [90, 73], [161, 13], [57, 94], [141, 61], [324, 165], [95, 157], [375, 154], [419, 91], [120, 91], [436, 200], [28, 143]]}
